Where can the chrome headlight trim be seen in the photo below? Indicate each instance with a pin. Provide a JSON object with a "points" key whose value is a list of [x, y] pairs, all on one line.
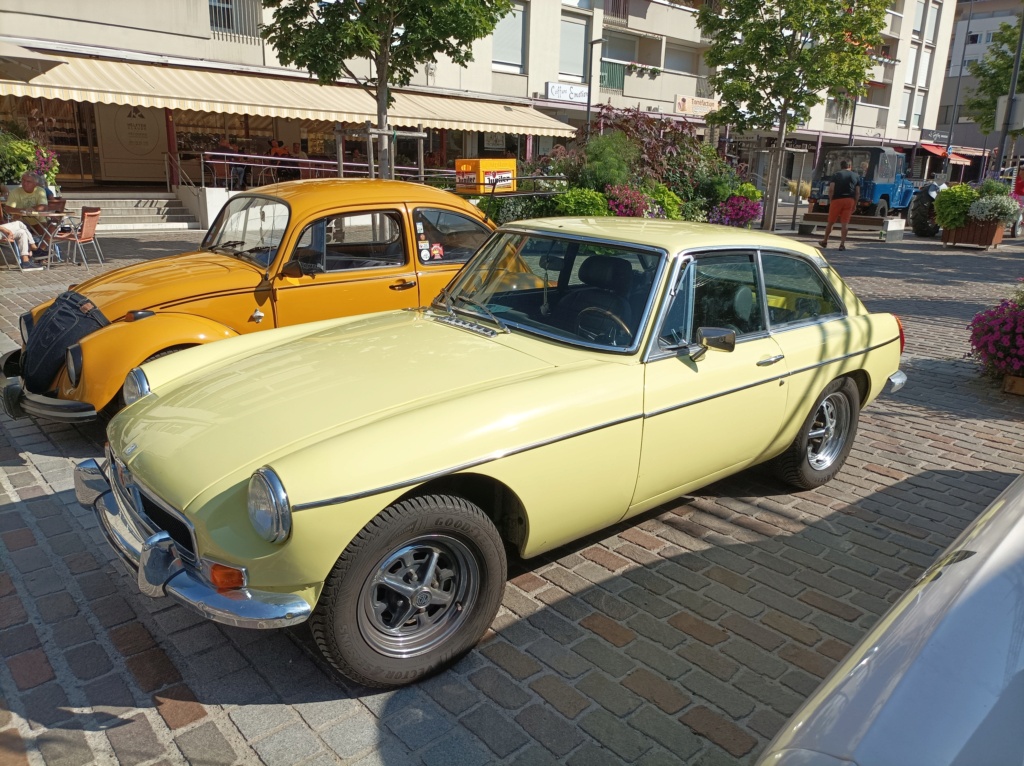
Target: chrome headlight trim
{"points": [[73, 364], [135, 386], [25, 324], [270, 513]]}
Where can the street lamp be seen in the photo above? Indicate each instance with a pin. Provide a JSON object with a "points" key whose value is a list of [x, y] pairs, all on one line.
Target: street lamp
{"points": [[590, 77], [956, 94]]}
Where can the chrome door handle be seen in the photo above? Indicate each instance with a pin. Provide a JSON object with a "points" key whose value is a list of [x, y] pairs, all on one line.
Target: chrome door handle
{"points": [[771, 360], [402, 285]]}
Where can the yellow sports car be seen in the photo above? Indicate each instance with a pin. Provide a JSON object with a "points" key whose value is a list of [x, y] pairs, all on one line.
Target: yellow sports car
{"points": [[276, 256], [367, 474]]}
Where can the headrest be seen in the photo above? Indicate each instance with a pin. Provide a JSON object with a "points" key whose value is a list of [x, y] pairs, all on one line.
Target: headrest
{"points": [[743, 302], [608, 273]]}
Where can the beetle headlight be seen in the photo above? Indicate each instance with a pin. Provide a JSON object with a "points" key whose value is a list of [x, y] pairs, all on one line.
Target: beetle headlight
{"points": [[73, 363], [25, 325], [269, 510], [135, 386]]}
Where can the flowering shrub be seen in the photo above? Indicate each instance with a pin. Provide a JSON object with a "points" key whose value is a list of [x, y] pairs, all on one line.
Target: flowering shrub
{"points": [[627, 202], [45, 164], [749, 191], [953, 205], [999, 208], [736, 211], [997, 336]]}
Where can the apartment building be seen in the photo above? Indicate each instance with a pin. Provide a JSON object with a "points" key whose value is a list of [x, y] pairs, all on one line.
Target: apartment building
{"points": [[974, 24], [140, 80]]}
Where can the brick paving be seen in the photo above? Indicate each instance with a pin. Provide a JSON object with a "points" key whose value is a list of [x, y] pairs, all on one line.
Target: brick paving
{"points": [[686, 637]]}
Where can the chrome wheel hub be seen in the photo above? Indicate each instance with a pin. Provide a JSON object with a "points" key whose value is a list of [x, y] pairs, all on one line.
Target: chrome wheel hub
{"points": [[418, 596], [829, 431]]}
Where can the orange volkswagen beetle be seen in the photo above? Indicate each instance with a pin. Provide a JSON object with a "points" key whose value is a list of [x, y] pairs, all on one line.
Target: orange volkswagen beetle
{"points": [[276, 256]]}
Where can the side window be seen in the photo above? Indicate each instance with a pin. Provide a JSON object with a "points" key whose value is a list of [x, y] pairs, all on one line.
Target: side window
{"points": [[726, 294], [351, 241], [797, 291], [445, 236]]}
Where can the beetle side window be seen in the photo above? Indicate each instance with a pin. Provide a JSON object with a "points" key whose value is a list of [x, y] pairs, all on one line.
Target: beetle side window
{"points": [[446, 237], [350, 241], [797, 292]]}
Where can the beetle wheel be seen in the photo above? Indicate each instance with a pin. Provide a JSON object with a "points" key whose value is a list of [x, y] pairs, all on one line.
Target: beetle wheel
{"points": [[412, 592]]}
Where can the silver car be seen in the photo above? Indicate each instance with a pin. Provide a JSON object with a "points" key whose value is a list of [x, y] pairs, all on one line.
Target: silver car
{"points": [[939, 680]]}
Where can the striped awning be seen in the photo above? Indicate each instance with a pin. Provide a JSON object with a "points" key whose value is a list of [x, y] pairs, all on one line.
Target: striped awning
{"points": [[102, 81], [938, 151]]}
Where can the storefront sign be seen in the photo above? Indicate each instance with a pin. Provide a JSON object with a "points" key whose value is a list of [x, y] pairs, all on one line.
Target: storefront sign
{"points": [[494, 140], [694, 106], [560, 91], [138, 130]]}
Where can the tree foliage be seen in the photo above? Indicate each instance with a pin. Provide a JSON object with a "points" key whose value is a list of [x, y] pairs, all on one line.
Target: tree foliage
{"points": [[993, 72], [397, 36], [774, 59]]}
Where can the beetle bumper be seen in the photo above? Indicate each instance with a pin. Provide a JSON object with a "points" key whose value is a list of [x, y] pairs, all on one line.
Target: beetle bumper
{"points": [[149, 555], [17, 402]]}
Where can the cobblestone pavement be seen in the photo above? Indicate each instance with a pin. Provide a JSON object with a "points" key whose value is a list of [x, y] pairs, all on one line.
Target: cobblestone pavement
{"points": [[686, 637]]}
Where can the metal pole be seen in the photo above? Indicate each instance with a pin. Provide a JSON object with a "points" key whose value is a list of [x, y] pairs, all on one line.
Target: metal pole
{"points": [[799, 180], [956, 93], [419, 153], [369, 150], [853, 118], [590, 77], [1011, 101]]}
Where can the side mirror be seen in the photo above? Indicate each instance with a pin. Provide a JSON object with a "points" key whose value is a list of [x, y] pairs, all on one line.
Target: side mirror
{"points": [[719, 338], [292, 270]]}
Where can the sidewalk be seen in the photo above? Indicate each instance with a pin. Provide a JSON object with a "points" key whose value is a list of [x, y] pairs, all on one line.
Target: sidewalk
{"points": [[687, 636]]}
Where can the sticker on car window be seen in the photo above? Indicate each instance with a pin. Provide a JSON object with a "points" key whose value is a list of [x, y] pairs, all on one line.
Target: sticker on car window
{"points": [[436, 252], [419, 227]]}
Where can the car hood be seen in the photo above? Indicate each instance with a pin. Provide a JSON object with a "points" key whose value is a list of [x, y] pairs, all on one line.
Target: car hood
{"points": [[168, 280], [939, 680], [240, 414]]}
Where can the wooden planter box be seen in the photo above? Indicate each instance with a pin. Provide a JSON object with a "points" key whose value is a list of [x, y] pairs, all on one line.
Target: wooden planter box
{"points": [[1013, 384], [981, 233]]}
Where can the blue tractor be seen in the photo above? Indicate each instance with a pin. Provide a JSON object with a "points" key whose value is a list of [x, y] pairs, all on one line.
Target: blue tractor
{"points": [[885, 188]]}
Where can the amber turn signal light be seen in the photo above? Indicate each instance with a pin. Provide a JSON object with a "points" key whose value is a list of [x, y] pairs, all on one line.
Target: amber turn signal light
{"points": [[223, 577]]}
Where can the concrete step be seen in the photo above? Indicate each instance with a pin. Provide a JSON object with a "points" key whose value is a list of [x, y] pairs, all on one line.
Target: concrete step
{"points": [[92, 194], [144, 205], [134, 211], [135, 226]]}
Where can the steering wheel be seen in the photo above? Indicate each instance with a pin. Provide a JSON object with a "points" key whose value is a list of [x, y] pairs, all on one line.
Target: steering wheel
{"points": [[606, 314]]}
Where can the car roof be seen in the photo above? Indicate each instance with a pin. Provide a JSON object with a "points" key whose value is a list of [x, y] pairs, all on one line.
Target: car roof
{"points": [[672, 236], [359, 190]]}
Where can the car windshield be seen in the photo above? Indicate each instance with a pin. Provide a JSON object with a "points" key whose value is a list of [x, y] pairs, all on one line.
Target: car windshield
{"points": [[593, 294], [249, 227], [860, 162]]}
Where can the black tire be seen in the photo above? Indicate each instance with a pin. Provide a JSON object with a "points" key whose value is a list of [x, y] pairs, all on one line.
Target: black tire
{"points": [[358, 623], [825, 439], [922, 216]]}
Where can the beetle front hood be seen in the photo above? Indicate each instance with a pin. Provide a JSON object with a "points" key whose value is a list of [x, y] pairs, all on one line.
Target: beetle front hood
{"points": [[168, 280], [194, 431]]}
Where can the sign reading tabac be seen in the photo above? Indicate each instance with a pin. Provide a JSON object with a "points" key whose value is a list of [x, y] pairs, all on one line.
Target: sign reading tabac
{"points": [[694, 106]]}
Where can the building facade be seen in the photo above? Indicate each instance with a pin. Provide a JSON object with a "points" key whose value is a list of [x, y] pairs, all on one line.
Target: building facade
{"points": [[141, 80]]}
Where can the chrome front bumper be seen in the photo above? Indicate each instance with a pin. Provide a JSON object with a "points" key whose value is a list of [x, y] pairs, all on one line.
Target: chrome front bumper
{"points": [[149, 555], [17, 402]]}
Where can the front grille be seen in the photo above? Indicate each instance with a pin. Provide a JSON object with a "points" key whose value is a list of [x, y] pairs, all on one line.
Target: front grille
{"points": [[151, 513]]}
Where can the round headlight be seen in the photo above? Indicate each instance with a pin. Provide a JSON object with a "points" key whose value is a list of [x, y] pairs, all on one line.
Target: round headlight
{"points": [[135, 386], [269, 510], [73, 363], [25, 325]]}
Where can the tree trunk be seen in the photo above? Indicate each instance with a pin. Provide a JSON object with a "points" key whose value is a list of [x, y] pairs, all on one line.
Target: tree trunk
{"points": [[775, 172], [384, 141]]}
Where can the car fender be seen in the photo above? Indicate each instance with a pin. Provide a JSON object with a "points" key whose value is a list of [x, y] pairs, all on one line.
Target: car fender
{"points": [[111, 352]]}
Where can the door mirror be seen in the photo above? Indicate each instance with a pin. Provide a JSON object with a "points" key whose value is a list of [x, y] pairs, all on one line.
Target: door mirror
{"points": [[719, 338], [292, 270]]}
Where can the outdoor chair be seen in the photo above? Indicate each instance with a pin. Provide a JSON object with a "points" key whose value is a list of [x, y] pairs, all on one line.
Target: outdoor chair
{"points": [[80, 231], [7, 243]]}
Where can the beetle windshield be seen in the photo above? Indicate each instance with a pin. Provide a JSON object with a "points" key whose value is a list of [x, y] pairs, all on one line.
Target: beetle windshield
{"points": [[593, 294], [249, 227]]}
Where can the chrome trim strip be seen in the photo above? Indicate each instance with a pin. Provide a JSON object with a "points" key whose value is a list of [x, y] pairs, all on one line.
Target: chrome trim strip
{"points": [[464, 467], [465, 324], [846, 356]]}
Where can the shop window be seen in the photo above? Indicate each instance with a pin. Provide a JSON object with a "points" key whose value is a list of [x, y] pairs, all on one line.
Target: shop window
{"points": [[510, 41], [679, 59], [572, 54]]}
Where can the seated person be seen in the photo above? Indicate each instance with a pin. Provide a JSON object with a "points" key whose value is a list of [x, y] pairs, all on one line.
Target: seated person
{"points": [[19, 233], [31, 195]]}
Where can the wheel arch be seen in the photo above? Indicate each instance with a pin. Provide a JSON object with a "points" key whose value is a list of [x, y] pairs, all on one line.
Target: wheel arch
{"points": [[497, 500], [863, 381]]}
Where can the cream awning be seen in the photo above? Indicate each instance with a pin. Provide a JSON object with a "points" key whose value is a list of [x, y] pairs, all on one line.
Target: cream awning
{"points": [[100, 81]]}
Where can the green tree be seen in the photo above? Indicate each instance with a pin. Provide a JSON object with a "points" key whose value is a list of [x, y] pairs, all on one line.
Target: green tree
{"points": [[993, 72], [397, 36], [775, 59]]}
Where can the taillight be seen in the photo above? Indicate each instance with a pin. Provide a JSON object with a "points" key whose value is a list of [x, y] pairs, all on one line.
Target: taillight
{"points": [[903, 335]]}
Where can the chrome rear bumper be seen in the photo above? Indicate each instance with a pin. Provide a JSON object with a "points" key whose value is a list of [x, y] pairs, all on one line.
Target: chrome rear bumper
{"points": [[149, 555], [897, 381]]}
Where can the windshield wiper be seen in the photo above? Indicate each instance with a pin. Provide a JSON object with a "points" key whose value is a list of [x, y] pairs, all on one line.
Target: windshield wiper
{"points": [[443, 301], [483, 308]]}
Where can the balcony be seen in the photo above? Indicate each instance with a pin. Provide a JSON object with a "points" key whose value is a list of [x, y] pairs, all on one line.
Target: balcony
{"points": [[866, 116], [236, 21], [893, 24], [616, 13], [613, 77]]}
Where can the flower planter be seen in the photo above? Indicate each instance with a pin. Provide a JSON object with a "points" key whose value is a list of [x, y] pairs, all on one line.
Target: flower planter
{"points": [[1013, 384], [981, 233]]}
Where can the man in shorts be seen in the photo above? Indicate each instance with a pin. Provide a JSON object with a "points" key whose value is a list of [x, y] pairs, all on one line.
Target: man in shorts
{"points": [[843, 194]]}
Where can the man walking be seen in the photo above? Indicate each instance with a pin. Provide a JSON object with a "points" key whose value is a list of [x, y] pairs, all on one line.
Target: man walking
{"points": [[843, 194]]}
